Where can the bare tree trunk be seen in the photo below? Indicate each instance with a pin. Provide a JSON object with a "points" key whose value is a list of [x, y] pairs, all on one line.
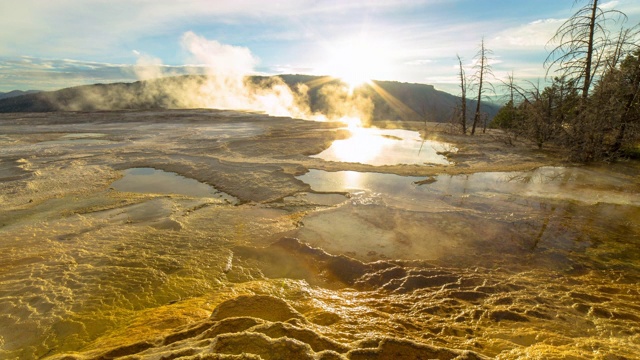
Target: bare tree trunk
{"points": [[463, 101], [587, 70], [483, 58], [513, 103]]}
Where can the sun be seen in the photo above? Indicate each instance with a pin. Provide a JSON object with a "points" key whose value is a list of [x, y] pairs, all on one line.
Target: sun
{"points": [[356, 61]]}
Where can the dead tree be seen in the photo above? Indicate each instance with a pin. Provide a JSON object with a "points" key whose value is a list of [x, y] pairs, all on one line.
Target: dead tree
{"points": [[463, 97], [583, 42], [483, 70]]}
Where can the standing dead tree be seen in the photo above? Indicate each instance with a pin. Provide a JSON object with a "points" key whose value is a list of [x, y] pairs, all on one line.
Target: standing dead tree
{"points": [[463, 97], [483, 70], [583, 43], [588, 55]]}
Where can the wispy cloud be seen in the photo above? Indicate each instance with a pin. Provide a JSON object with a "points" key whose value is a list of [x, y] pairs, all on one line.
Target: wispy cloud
{"points": [[285, 35], [52, 74], [610, 4], [533, 35], [419, 62], [88, 26]]}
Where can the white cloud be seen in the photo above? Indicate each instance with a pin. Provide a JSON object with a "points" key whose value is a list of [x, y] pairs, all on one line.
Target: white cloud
{"points": [[419, 62], [289, 69], [51, 74], [110, 30], [610, 5], [88, 27], [534, 35]]}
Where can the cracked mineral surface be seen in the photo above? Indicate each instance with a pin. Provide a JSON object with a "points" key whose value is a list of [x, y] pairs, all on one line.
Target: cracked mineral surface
{"points": [[211, 234]]}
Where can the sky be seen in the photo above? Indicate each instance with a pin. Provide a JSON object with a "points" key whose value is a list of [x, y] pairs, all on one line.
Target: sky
{"points": [[48, 45]]}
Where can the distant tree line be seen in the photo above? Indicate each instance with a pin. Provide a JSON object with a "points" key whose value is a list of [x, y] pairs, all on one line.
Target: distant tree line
{"points": [[592, 106]]}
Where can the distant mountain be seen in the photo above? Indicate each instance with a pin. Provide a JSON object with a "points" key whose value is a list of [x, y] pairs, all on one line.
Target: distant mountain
{"points": [[390, 100], [14, 93], [393, 100], [115, 96]]}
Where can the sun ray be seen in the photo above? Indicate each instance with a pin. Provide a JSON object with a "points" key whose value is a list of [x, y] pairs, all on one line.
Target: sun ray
{"points": [[357, 61], [320, 81], [401, 108]]}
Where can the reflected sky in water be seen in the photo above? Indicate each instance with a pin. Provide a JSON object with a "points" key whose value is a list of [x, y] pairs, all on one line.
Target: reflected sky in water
{"points": [[154, 181], [550, 214], [587, 185]]}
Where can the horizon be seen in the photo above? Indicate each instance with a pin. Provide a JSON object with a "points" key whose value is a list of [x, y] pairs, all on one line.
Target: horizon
{"points": [[50, 47]]}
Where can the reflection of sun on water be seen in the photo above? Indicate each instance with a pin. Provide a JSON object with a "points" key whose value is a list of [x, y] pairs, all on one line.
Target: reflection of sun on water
{"points": [[352, 180], [362, 147], [358, 149], [353, 123], [356, 61], [378, 147]]}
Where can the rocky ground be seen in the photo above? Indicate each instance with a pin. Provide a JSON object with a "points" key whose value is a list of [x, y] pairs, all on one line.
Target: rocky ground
{"points": [[89, 271]]}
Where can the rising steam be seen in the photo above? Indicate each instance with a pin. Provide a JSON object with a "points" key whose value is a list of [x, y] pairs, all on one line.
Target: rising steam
{"points": [[226, 85], [219, 77]]}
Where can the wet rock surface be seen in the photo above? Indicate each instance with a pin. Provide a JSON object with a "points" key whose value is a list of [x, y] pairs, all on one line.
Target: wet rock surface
{"points": [[457, 267], [263, 337], [261, 306]]}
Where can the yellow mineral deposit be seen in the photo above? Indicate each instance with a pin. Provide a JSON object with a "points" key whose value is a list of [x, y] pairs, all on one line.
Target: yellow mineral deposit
{"points": [[206, 233]]}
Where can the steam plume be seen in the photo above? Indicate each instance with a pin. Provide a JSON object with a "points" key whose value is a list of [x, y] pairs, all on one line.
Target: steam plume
{"points": [[226, 85], [220, 78]]}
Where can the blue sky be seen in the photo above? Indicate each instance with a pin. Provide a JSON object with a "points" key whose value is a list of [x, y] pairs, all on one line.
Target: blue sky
{"points": [[49, 45]]}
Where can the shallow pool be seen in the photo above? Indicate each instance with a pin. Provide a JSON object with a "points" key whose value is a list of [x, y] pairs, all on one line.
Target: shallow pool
{"points": [[149, 180], [498, 219]]}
